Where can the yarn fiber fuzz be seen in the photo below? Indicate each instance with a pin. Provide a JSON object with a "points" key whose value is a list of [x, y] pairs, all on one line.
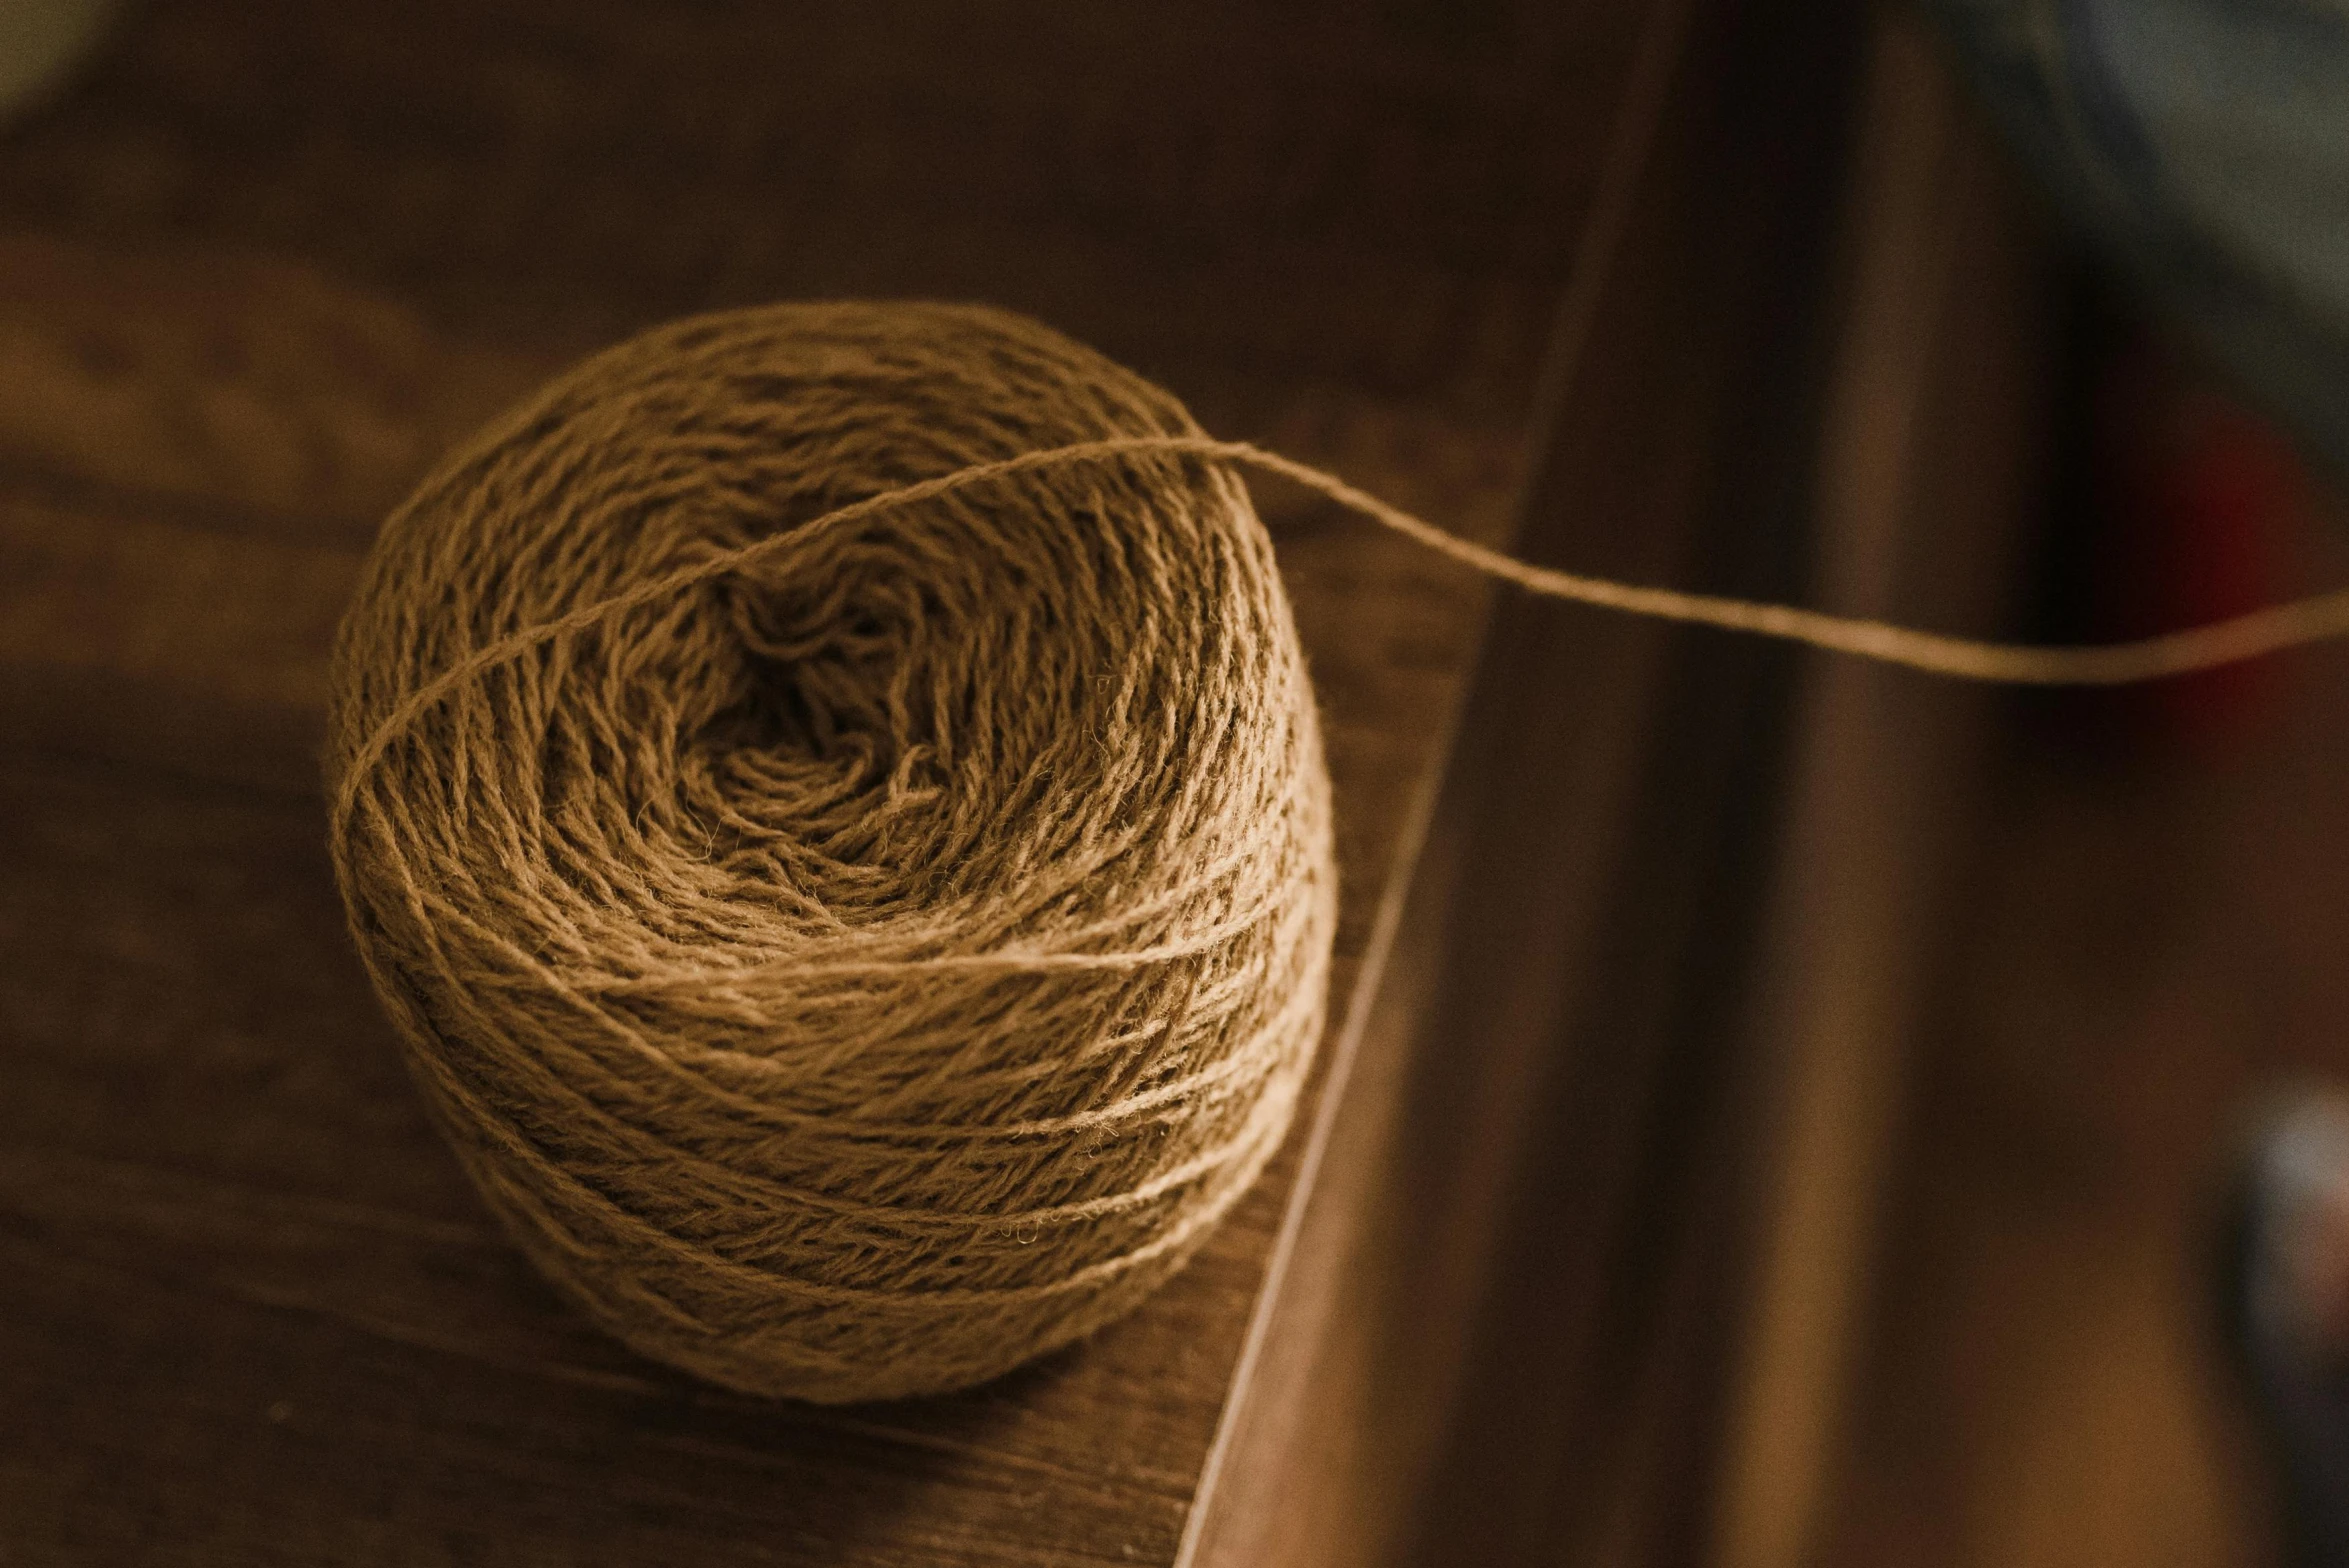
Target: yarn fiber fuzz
{"points": [[853, 953]]}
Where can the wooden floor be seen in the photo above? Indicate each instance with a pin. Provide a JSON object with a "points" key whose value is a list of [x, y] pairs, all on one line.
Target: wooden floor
{"points": [[2143, 941]]}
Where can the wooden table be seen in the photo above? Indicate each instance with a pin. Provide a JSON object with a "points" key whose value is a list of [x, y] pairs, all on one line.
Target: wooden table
{"points": [[264, 262]]}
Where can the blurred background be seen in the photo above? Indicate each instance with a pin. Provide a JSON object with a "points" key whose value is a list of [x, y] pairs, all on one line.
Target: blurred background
{"points": [[1795, 1108]]}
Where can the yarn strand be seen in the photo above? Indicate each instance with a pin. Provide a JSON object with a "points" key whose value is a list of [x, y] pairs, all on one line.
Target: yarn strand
{"points": [[2268, 630]]}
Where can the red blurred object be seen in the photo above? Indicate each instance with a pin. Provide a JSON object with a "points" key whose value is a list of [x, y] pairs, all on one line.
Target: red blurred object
{"points": [[2203, 511]]}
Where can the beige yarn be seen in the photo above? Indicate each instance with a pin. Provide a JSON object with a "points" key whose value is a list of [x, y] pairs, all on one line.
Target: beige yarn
{"points": [[831, 797], [852, 959]]}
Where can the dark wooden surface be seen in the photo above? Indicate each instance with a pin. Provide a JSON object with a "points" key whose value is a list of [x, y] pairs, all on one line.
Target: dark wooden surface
{"points": [[264, 262], [1509, 1330], [1933, 445], [2143, 938]]}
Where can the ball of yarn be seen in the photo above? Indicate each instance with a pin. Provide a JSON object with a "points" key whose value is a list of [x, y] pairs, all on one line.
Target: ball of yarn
{"points": [[853, 952]]}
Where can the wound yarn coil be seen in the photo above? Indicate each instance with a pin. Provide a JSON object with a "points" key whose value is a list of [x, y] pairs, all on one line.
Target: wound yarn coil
{"points": [[857, 938]]}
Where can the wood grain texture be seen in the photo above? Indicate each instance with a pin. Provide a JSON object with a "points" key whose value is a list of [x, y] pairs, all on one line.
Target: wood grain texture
{"points": [[256, 271], [1934, 439], [1506, 1329]]}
